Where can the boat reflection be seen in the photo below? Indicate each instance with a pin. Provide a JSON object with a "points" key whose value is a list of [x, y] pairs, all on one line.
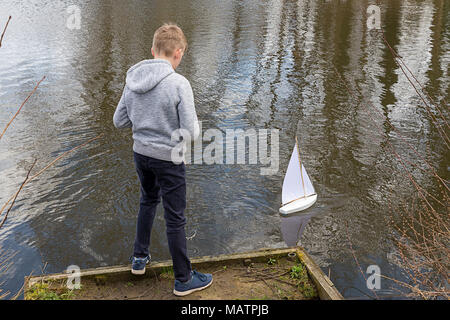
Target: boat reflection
{"points": [[293, 226]]}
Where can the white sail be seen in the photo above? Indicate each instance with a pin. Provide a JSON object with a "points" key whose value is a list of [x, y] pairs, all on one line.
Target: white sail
{"points": [[293, 187]]}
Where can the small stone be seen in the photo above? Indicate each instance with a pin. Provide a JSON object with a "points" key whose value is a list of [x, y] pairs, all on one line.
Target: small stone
{"points": [[247, 262]]}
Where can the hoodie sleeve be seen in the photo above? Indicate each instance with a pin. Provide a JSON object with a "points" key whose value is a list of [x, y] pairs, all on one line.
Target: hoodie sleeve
{"points": [[186, 111], [121, 119]]}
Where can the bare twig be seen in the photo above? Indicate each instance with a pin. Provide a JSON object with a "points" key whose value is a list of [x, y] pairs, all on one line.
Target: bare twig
{"points": [[51, 164], [16, 296], [142, 295], [5, 264], [424, 233], [17, 193], [23, 103], [254, 273], [4, 30]]}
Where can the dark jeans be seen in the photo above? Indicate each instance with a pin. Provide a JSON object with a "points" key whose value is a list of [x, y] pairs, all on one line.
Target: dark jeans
{"points": [[167, 180]]}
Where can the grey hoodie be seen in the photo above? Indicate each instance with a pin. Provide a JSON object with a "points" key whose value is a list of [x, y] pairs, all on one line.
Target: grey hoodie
{"points": [[155, 103]]}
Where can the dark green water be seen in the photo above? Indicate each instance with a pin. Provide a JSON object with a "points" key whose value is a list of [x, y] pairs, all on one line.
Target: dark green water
{"points": [[252, 64]]}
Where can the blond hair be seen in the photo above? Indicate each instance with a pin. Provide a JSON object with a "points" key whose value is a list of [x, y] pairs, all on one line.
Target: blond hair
{"points": [[169, 38]]}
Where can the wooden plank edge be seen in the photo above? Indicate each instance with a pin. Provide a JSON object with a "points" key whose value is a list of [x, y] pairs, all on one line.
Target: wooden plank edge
{"points": [[31, 280], [325, 287]]}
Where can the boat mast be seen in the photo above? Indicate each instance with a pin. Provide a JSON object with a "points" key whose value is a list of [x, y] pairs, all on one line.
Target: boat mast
{"points": [[301, 171]]}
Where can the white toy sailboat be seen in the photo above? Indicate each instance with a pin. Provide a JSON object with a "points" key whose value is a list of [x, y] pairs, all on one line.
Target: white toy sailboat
{"points": [[298, 191]]}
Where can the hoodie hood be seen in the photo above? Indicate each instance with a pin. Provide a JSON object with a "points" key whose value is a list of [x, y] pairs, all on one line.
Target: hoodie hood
{"points": [[147, 74]]}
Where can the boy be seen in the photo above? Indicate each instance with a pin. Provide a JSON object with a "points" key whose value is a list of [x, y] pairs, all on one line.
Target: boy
{"points": [[155, 103]]}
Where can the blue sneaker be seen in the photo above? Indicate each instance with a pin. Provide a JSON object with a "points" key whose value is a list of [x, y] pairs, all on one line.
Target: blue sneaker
{"points": [[199, 281], [138, 265]]}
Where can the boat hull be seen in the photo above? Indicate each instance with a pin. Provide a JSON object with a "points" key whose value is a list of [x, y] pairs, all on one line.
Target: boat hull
{"points": [[299, 205]]}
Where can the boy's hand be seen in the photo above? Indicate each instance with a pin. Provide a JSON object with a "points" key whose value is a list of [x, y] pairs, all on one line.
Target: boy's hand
{"points": [[186, 111], [121, 119]]}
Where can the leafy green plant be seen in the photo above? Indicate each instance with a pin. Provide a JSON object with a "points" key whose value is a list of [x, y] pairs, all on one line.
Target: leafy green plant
{"points": [[300, 274], [297, 271], [42, 291]]}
